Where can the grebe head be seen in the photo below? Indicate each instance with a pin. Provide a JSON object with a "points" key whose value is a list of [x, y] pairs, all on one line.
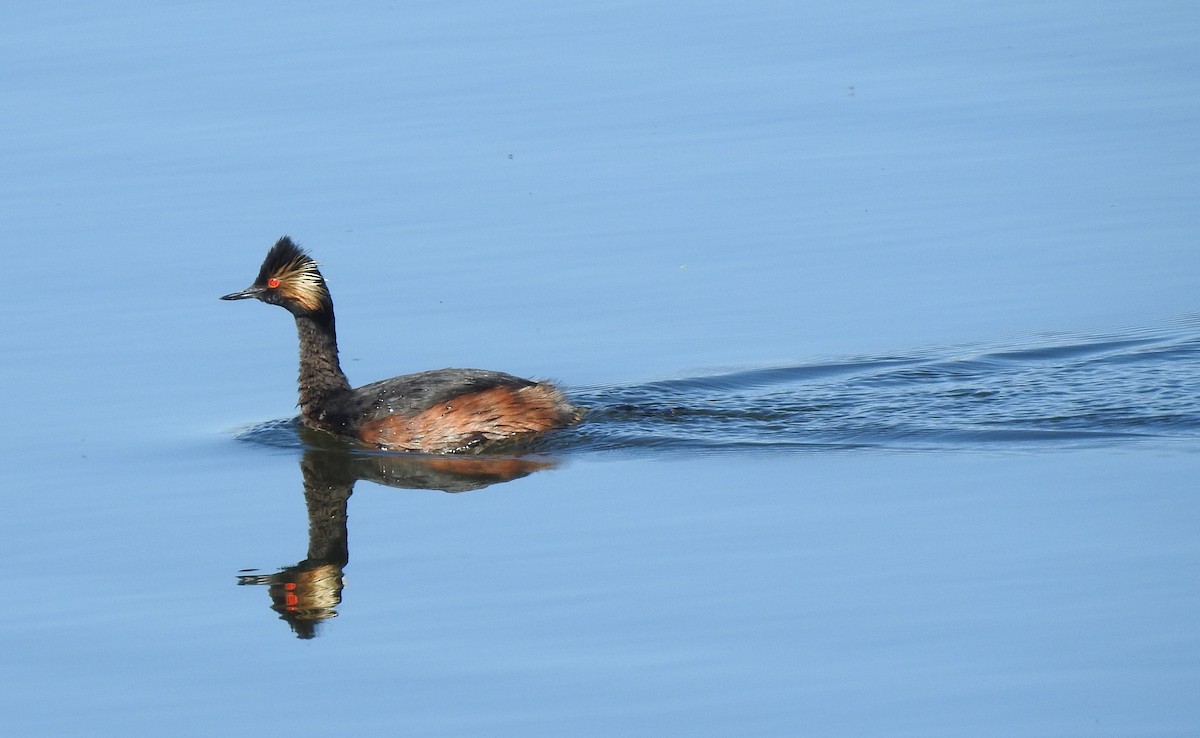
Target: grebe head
{"points": [[290, 278]]}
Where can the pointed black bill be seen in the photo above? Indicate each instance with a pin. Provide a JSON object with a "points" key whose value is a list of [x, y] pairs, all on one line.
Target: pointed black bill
{"points": [[246, 294]]}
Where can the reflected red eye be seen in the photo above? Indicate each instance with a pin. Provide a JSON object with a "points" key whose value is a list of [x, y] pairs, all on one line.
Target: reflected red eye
{"points": [[273, 282]]}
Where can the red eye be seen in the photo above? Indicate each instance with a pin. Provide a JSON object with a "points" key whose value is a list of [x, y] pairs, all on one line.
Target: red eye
{"points": [[273, 282]]}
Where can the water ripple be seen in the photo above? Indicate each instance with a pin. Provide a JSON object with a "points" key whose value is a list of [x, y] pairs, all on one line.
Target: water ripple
{"points": [[1110, 389], [1113, 389]]}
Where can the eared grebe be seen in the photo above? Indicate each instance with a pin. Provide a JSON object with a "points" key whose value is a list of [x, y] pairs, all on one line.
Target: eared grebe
{"points": [[441, 411]]}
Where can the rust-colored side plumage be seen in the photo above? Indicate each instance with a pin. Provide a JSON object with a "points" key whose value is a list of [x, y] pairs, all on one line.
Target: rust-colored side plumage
{"points": [[473, 419]]}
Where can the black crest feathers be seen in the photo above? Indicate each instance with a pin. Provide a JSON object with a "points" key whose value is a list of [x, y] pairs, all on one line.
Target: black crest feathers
{"points": [[294, 276]]}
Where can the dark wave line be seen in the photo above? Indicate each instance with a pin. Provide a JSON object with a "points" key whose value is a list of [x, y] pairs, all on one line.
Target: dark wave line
{"points": [[1121, 389], [1108, 389]]}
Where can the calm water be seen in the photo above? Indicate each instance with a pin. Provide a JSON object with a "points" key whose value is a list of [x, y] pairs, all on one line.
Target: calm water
{"points": [[885, 316]]}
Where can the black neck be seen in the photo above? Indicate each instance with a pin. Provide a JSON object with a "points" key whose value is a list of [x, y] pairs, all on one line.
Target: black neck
{"points": [[321, 376]]}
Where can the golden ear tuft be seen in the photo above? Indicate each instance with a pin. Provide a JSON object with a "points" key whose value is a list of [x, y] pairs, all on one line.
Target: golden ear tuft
{"points": [[294, 275], [301, 282]]}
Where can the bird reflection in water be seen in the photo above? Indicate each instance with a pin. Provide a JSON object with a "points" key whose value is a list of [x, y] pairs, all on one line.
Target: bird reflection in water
{"points": [[309, 593]]}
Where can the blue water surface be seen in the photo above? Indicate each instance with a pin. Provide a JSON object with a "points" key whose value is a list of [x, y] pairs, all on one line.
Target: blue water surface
{"points": [[885, 316]]}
